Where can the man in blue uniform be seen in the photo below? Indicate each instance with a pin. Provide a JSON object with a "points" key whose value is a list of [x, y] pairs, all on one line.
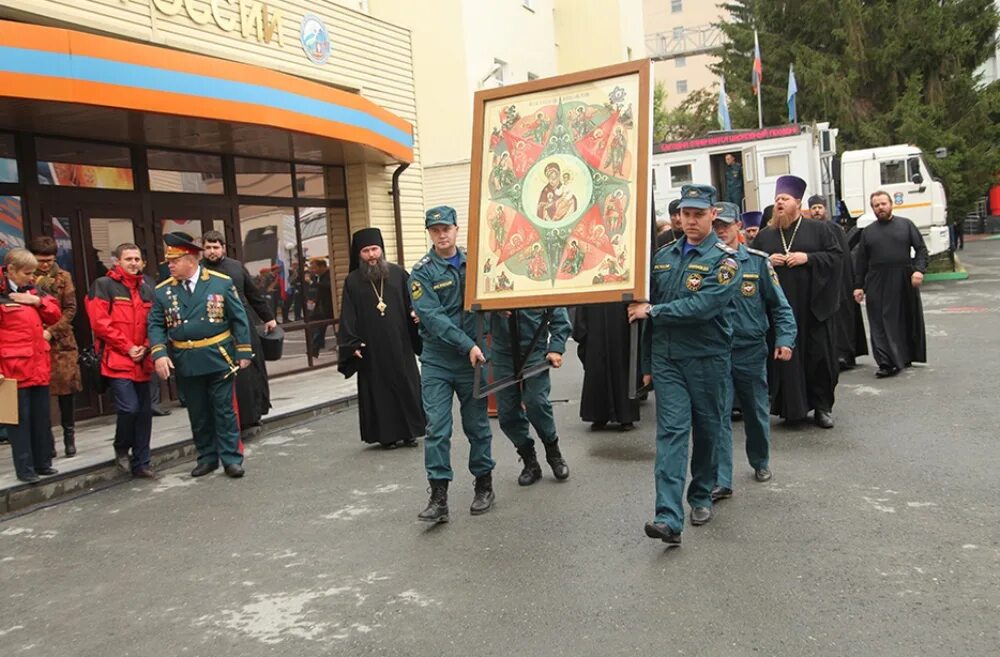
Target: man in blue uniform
{"points": [[528, 402], [760, 298], [687, 358], [198, 327], [450, 353]]}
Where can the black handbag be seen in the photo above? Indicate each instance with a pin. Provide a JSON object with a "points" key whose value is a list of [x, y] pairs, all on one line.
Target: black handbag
{"points": [[89, 361]]}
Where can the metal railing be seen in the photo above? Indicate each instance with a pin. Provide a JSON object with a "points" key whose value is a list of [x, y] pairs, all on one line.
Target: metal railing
{"points": [[685, 42]]}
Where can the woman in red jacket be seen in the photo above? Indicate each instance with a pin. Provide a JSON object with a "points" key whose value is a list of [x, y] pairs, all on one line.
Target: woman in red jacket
{"points": [[117, 306], [24, 357]]}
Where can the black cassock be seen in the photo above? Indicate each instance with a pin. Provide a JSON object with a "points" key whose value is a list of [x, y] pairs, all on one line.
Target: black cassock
{"points": [[807, 381], [253, 394], [389, 404], [849, 327], [602, 334], [883, 271]]}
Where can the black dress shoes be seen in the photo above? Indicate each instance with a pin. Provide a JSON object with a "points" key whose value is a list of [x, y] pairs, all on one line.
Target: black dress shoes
{"points": [[597, 426], [144, 473], [662, 532], [203, 469], [762, 474], [823, 419], [122, 462], [721, 493], [626, 426], [46, 472], [29, 479], [234, 470], [159, 412], [700, 515], [886, 373]]}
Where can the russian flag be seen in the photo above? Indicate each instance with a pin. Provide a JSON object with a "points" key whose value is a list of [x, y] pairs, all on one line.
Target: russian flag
{"points": [[758, 67]]}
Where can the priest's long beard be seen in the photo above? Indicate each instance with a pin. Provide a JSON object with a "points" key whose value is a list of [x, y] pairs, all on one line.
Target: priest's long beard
{"points": [[377, 271]]}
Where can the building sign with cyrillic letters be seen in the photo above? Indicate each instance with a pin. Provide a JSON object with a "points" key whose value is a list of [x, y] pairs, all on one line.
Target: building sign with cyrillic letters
{"points": [[252, 19]]}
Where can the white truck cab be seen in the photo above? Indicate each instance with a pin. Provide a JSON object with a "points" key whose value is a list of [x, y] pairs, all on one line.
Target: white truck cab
{"points": [[902, 172]]}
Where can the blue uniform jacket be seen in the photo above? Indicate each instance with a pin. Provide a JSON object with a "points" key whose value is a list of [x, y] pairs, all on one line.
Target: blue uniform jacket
{"points": [[191, 328], [760, 303], [690, 294], [528, 322], [437, 290]]}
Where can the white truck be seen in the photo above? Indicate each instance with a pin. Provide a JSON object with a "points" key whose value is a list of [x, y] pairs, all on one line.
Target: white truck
{"points": [[902, 172], [804, 150]]}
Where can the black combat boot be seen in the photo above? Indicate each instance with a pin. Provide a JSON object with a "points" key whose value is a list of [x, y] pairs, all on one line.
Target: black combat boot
{"points": [[437, 507], [69, 440], [556, 461], [484, 497], [532, 472]]}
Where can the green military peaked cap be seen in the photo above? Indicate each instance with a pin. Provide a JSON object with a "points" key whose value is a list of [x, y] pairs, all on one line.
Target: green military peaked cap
{"points": [[701, 197], [442, 214], [728, 212]]}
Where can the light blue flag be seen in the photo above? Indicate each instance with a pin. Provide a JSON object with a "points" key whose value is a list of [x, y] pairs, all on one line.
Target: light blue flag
{"points": [[724, 121], [793, 90]]}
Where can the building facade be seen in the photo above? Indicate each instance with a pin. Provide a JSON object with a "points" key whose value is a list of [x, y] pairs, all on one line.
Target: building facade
{"points": [[679, 34], [285, 124], [461, 46]]}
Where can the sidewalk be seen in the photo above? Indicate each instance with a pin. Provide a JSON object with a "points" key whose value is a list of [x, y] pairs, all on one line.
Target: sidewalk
{"points": [[294, 398]]}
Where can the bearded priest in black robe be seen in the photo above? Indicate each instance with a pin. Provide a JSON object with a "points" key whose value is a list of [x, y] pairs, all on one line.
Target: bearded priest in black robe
{"points": [[807, 259], [890, 279], [602, 335], [849, 327], [377, 339]]}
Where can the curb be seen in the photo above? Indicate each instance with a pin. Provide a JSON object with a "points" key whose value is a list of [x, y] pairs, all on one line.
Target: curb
{"points": [[25, 498], [946, 276]]}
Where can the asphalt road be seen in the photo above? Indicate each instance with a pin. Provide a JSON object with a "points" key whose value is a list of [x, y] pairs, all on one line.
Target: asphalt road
{"points": [[879, 537]]}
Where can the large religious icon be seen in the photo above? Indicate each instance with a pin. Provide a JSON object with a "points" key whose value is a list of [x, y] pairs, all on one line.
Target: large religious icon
{"points": [[561, 190]]}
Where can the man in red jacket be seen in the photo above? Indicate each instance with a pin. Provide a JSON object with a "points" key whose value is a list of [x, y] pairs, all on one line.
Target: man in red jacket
{"points": [[24, 357], [117, 306]]}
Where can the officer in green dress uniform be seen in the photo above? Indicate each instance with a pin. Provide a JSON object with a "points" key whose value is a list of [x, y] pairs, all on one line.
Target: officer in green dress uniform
{"points": [[198, 327], [759, 305], [528, 402], [687, 358], [450, 352]]}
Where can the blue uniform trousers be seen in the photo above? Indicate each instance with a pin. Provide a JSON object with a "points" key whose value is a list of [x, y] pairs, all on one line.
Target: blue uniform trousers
{"points": [[525, 403], [211, 409], [438, 384], [691, 402], [749, 386], [134, 425]]}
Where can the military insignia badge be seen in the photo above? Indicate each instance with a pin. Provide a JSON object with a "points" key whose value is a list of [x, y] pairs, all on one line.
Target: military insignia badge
{"points": [[693, 282], [749, 288], [416, 291], [215, 308], [727, 271], [773, 274]]}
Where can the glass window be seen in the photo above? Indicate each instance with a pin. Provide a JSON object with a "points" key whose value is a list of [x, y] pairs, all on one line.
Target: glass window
{"points": [[678, 32], [64, 243], [315, 181], [321, 228], [893, 172], [680, 62], [682, 86], [194, 173], [676, 6], [11, 224], [776, 165], [680, 175], [8, 161], [263, 178], [270, 254], [105, 234], [71, 163]]}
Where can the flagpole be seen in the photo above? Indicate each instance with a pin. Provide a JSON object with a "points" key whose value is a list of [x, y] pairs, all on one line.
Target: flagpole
{"points": [[758, 75], [760, 111]]}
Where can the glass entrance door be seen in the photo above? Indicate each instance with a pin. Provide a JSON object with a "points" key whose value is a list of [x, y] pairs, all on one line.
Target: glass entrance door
{"points": [[86, 235]]}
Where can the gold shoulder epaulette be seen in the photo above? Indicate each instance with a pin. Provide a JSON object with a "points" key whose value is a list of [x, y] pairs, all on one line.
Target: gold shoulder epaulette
{"points": [[212, 272], [167, 281]]}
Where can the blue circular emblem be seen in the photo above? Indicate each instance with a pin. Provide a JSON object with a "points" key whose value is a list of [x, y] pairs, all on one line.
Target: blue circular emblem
{"points": [[898, 198], [315, 39]]}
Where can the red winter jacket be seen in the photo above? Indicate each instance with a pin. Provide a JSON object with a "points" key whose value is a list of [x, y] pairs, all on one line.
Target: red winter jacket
{"points": [[24, 351], [117, 307]]}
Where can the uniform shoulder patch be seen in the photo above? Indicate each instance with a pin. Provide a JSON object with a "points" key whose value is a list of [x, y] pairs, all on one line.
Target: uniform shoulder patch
{"points": [[212, 272], [665, 246], [762, 254], [166, 281], [725, 248], [727, 271], [416, 290], [423, 261]]}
